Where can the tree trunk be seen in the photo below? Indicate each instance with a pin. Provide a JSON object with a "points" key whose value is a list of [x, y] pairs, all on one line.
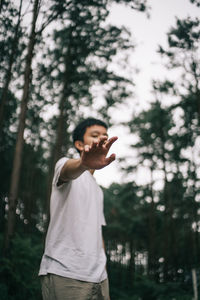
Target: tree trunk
{"points": [[9, 70], [131, 266], [152, 233], [15, 177], [61, 131], [194, 283], [166, 233], [57, 151], [198, 104], [194, 216]]}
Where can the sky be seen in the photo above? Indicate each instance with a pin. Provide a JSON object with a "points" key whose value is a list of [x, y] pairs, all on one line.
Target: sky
{"points": [[148, 33]]}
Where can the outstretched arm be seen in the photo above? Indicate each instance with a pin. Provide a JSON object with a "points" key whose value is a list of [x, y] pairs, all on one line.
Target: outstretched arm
{"points": [[93, 157]]}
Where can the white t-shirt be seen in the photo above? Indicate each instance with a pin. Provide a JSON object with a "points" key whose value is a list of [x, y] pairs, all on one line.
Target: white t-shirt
{"points": [[74, 246]]}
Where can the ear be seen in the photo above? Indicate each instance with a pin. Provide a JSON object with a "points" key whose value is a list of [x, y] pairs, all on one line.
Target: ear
{"points": [[79, 145]]}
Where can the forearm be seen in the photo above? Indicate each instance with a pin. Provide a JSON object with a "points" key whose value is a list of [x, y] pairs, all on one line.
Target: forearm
{"points": [[72, 169]]}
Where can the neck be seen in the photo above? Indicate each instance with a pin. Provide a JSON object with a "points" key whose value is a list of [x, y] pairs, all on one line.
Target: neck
{"points": [[92, 171]]}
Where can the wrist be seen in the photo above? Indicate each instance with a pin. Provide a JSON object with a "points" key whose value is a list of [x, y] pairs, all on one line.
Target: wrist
{"points": [[82, 166]]}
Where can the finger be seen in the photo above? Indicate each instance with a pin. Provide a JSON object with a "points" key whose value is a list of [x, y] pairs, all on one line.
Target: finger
{"points": [[102, 140], [86, 148], [94, 145], [110, 142], [110, 159]]}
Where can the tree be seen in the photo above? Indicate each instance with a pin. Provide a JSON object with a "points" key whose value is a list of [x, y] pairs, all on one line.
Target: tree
{"points": [[183, 54], [13, 45], [55, 9], [80, 59], [195, 2]]}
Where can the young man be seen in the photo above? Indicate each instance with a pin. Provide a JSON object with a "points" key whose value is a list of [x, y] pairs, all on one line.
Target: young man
{"points": [[73, 266]]}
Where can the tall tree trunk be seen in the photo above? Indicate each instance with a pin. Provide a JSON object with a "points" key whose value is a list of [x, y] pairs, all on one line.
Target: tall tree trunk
{"points": [[194, 283], [152, 232], [170, 246], [61, 130], [173, 259], [198, 104], [55, 155], [194, 216], [131, 266], [9, 70], [57, 152], [166, 233], [20, 137]]}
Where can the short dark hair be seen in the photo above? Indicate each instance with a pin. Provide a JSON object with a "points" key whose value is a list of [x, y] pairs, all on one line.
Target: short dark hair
{"points": [[80, 129]]}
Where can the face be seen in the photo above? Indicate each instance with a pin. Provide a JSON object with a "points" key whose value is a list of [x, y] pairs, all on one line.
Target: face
{"points": [[92, 134]]}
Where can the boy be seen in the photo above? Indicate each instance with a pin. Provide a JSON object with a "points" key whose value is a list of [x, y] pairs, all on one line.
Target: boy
{"points": [[73, 264]]}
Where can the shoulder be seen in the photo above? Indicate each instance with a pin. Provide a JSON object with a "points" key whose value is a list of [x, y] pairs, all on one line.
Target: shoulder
{"points": [[58, 167], [61, 162]]}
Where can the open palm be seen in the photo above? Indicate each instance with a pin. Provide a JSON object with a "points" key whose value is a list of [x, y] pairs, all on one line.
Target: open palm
{"points": [[94, 156]]}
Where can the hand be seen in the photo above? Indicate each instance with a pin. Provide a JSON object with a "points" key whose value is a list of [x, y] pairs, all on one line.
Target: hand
{"points": [[94, 156]]}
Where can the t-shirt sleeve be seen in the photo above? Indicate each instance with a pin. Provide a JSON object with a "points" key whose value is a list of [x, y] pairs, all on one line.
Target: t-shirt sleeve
{"points": [[58, 167]]}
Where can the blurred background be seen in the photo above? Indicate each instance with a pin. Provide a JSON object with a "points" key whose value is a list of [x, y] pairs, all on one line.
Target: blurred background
{"points": [[136, 65]]}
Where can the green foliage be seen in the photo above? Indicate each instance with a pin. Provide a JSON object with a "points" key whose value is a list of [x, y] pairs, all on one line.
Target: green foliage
{"points": [[7, 142], [145, 288], [197, 2], [156, 257], [80, 59], [152, 236], [19, 272]]}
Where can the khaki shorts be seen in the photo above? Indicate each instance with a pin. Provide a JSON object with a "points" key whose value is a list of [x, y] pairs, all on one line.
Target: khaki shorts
{"points": [[56, 287]]}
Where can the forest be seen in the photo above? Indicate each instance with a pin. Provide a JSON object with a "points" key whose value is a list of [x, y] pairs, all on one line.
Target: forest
{"points": [[58, 65]]}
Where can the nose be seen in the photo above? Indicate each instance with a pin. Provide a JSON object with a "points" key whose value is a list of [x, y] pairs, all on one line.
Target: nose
{"points": [[105, 137]]}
